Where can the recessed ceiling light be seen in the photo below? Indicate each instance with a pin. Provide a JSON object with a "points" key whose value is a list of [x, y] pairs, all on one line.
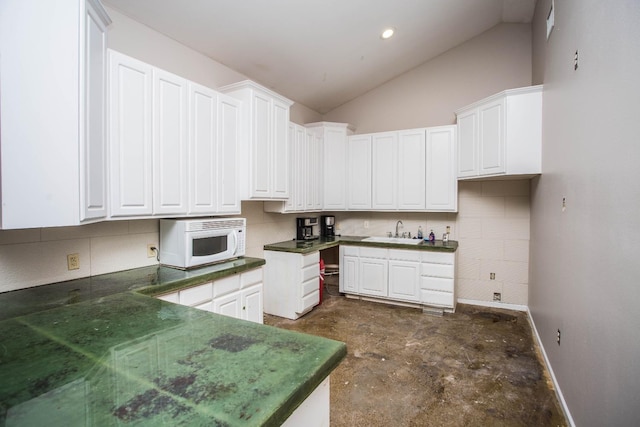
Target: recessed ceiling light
{"points": [[387, 33]]}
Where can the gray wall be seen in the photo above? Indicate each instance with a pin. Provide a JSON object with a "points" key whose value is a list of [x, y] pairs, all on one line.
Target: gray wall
{"points": [[584, 267], [428, 95]]}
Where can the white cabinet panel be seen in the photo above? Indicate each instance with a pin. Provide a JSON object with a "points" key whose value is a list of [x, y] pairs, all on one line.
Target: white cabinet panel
{"points": [[252, 307], [130, 136], [441, 181], [280, 150], [384, 170], [203, 148], [228, 305], [359, 169], [491, 128], [467, 144], [170, 146], [227, 161], [411, 169], [196, 295], [404, 280], [334, 159], [373, 276]]}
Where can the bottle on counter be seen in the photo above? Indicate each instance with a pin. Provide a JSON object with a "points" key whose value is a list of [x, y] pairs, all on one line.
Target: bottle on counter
{"points": [[419, 232], [432, 236]]}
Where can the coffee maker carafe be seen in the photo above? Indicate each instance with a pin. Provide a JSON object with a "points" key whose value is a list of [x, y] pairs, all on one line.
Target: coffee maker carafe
{"points": [[327, 226], [304, 228]]}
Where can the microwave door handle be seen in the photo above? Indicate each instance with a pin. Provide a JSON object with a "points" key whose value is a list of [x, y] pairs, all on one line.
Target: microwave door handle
{"points": [[235, 242]]}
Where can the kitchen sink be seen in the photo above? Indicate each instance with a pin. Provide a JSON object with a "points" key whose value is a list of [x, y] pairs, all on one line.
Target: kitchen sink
{"points": [[402, 240]]}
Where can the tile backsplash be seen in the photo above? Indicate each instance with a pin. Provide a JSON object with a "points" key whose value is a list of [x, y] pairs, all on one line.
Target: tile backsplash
{"points": [[492, 228]]}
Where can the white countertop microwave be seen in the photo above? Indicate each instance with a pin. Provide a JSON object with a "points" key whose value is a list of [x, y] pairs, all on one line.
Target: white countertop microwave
{"points": [[189, 243]]}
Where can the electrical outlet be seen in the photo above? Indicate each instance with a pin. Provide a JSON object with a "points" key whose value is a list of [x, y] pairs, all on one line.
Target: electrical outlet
{"points": [[73, 262], [492, 276], [564, 204], [151, 250], [497, 296], [366, 224], [558, 337]]}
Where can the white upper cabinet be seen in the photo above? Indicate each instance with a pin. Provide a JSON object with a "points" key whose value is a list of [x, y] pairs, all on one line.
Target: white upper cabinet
{"points": [[501, 135], [305, 172], [359, 172], [213, 134], [441, 181], [173, 144], [227, 161], [170, 145], [52, 97], [334, 163], [411, 169], [384, 150], [264, 151], [130, 135]]}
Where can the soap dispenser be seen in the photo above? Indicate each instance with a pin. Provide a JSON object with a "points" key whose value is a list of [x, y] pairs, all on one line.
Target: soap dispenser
{"points": [[419, 232], [432, 237]]}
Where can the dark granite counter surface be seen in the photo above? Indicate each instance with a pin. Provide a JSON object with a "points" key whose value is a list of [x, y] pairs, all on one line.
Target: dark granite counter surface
{"points": [[98, 352], [308, 246]]}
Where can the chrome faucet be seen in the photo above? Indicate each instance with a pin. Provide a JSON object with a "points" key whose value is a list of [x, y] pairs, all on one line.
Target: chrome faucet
{"points": [[397, 224]]}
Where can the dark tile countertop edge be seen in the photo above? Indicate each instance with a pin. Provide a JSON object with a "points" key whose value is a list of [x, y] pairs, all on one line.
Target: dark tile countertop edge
{"points": [[309, 246]]}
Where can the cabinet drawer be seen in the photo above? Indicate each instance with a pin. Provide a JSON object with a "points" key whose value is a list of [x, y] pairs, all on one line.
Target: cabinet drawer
{"points": [[309, 301], [438, 257], [436, 284], [443, 299], [310, 259], [252, 277], [310, 272], [196, 295], [172, 297], [437, 270], [349, 250], [366, 252], [404, 255], [225, 285], [310, 286]]}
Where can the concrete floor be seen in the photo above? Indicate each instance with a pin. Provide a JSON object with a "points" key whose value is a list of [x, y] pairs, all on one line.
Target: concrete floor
{"points": [[477, 367]]}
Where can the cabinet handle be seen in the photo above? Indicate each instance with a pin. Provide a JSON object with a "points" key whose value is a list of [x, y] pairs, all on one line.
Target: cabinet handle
{"points": [[244, 307]]}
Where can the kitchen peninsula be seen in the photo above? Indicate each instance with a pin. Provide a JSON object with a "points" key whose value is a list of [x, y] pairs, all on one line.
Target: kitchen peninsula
{"points": [[102, 351], [408, 272]]}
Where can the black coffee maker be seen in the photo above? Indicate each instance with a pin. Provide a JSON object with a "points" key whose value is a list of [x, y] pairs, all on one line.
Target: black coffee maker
{"points": [[327, 226], [304, 228]]}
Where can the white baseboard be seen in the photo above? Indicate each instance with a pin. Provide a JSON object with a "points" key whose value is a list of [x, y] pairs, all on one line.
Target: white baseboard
{"points": [[556, 386], [494, 304]]}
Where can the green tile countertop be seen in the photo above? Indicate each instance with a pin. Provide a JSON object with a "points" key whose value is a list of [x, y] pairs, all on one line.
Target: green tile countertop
{"points": [[115, 356], [308, 246]]}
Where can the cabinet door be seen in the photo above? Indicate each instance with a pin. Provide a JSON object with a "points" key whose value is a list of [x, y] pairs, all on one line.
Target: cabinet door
{"points": [[229, 305], [93, 146], [309, 173], [203, 157], [404, 280], [468, 144], [290, 203], [252, 304], [491, 131], [384, 147], [335, 169], [373, 276], [442, 183], [349, 274], [280, 150], [300, 168], [227, 161], [130, 136], [261, 151], [315, 158], [411, 169], [359, 166], [170, 144]]}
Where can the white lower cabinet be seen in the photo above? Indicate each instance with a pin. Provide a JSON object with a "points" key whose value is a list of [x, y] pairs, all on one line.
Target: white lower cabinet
{"points": [[292, 283], [238, 296], [437, 280], [405, 276]]}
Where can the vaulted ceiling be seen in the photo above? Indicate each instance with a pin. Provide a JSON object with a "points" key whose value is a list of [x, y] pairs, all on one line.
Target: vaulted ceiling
{"points": [[323, 53]]}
